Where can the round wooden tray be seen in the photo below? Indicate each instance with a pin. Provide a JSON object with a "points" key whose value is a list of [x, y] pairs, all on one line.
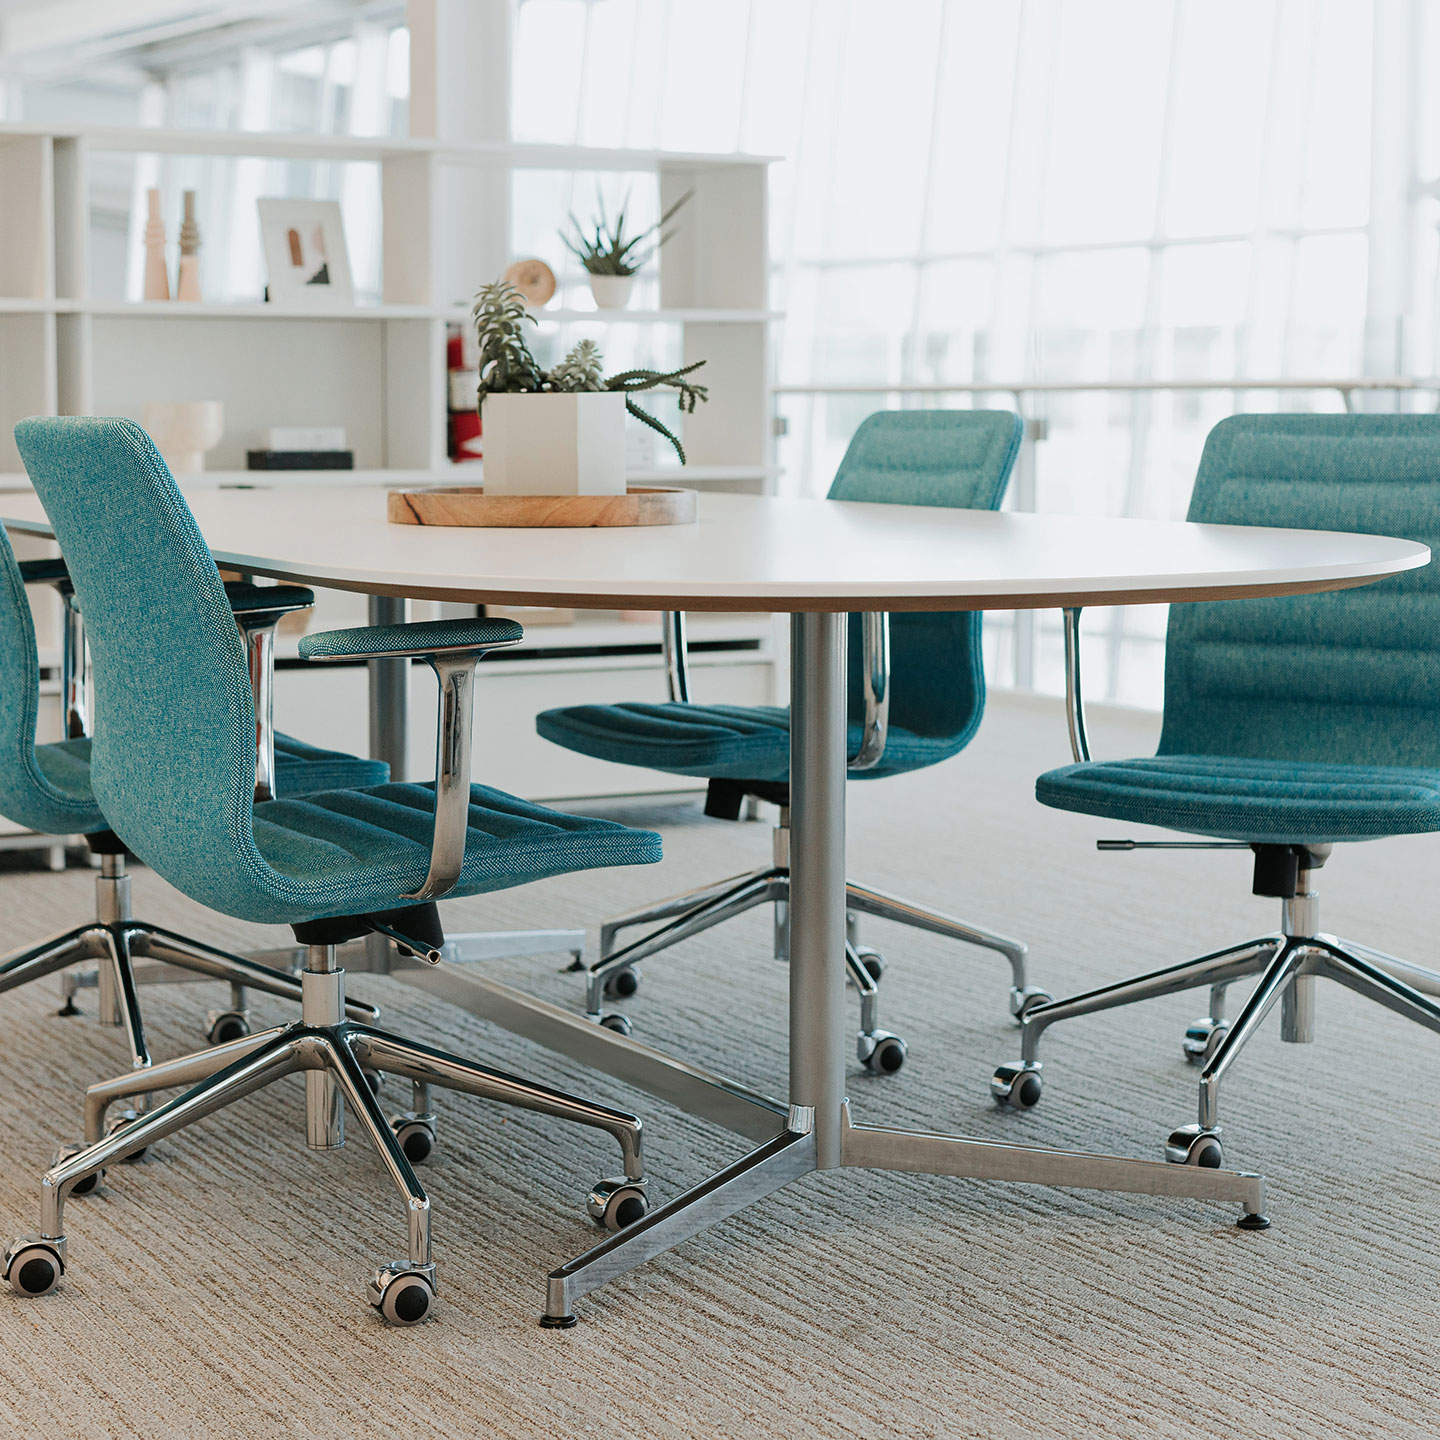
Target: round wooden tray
{"points": [[470, 505]]}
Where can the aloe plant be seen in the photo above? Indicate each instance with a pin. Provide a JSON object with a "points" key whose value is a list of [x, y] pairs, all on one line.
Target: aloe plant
{"points": [[580, 369], [608, 252], [508, 368], [506, 364]]}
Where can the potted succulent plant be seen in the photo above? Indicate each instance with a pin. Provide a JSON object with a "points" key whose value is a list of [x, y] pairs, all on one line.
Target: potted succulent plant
{"points": [[610, 259], [558, 431]]}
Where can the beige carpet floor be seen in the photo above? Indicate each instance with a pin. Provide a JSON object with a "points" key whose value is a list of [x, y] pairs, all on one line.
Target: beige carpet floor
{"points": [[215, 1289]]}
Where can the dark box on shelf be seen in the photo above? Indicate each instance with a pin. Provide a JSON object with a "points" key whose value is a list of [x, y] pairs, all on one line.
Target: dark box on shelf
{"points": [[300, 459]]}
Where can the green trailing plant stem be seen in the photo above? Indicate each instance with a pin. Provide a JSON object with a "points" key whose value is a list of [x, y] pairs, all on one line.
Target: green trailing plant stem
{"points": [[687, 393], [508, 368], [608, 252]]}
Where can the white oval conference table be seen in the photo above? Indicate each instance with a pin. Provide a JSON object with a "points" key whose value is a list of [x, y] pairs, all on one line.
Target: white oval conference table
{"points": [[816, 560]]}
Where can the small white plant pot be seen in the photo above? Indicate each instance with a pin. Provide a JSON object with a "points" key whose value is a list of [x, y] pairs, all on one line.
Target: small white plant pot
{"points": [[554, 444], [611, 292], [184, 431]]}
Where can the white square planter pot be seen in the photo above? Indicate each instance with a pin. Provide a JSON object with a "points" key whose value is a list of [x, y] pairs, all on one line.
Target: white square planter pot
{"points": [[554, 444]]}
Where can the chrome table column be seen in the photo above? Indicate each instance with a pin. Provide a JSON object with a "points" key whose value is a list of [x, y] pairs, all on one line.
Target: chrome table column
{"points": [[389, 692], [817, 876]]}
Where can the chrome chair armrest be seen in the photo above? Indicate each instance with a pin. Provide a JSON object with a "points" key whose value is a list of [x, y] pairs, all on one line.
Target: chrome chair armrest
{"points": [[74, 657], [676, 656], [258, 609], [452, 649], [875, 680], [1074, 700]]}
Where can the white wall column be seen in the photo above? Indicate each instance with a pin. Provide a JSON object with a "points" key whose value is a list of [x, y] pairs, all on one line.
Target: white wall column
{"points": [[1391, 290], [460, 90]]}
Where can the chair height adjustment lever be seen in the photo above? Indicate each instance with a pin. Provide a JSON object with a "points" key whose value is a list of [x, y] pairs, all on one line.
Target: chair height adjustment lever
{"points": [[1171, 845], [431, 954]]}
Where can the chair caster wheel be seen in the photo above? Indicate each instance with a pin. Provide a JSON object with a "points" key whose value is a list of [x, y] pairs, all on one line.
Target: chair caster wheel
{"points": [[1018, 1083], [617, 1203], [119, 1122], [881, 1052], [621, 984], [1022, 1002], [403, 1294], [873, 961], [620, 1024], [227, 1025], [1203, 1038], [416, 1135], [33, 1266], [90, 1183], [1190, 1145], [375, 1079]]}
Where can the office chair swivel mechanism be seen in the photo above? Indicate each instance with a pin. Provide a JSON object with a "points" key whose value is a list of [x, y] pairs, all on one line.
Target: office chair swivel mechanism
{"points": [[334, 866], [1339, 684]]}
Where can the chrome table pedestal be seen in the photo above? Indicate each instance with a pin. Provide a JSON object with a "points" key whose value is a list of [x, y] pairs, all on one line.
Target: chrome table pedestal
{"points": [[815, 1130]]}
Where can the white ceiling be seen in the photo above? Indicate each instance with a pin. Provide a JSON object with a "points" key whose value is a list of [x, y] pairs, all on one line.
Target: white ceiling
{"points": [[48, 39]]}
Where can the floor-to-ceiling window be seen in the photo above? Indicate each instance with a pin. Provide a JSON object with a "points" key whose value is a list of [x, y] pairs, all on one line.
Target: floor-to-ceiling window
{"points": [[1046, 192]]}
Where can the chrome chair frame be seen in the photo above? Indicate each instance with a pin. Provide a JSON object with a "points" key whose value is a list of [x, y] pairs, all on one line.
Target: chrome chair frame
{"points": [[693, 911], [1286, 962], [335, 1055]]}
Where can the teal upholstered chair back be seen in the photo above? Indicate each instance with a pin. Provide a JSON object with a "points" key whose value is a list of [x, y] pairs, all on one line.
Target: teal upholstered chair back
{"points": [[28, 795], [959, 458], [1349, 676], [173, 755]]}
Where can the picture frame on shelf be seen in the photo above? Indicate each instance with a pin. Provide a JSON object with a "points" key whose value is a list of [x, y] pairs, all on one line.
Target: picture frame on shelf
{"points": [[306, 259]]}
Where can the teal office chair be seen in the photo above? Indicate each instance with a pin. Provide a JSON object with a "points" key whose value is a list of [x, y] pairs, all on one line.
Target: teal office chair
{"points": [[1290, 725], [173, 770], [917, 692], [46, 788]]}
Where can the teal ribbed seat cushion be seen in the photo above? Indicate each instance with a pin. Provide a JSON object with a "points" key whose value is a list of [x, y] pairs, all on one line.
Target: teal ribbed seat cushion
{"points": [[1310, 717], [736, 742], [956, 458], [300, 769], [1238, 798], [173, 757], [350, 852]]}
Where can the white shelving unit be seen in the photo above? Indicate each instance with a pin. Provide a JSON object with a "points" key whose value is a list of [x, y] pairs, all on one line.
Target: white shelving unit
{"points": [[379, 370]]}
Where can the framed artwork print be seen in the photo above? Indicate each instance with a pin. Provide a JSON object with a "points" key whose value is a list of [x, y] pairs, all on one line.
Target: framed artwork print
{"points": [[305, 257]]}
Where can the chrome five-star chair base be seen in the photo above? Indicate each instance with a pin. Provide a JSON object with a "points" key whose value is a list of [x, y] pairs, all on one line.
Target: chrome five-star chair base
{"points": [[1287, 964], [335, 1056], [115, 940], [616, 974]]}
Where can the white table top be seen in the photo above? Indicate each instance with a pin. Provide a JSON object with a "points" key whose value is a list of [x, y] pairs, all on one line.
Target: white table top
{"points": [[757, 553]]}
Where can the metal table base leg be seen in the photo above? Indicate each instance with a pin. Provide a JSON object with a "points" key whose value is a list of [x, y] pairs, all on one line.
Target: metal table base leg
{"points": [[762, 1172], [878, 1147]]}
